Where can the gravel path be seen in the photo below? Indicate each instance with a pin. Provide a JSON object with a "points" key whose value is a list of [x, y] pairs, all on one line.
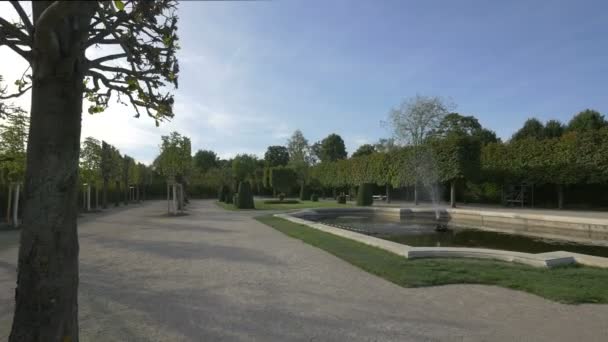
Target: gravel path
{"points": [[216, 275]]}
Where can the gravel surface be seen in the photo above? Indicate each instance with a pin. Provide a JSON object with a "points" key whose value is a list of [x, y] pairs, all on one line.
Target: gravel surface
{"points": [[216, 275]]}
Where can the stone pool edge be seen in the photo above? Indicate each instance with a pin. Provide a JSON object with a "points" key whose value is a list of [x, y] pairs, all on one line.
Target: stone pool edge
{"points": [[548, 259]]}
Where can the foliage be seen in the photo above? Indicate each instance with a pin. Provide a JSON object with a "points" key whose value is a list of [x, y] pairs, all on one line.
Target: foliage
{"points": [[244, 166], [244, 197], [341, 199], [298, 148], [276, 156], [304, 193], [282, 178], [331, 148], [417, 118], [587, 120], [532, 128], [204, 160], [90, 161], [364, 150], [174, 160], [314, 197], [553, 129], [13, 142], [365, 195], [464, 126]]}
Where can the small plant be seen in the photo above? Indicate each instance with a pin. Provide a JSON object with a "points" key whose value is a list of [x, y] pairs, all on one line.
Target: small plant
{"points": [[342, 198], [281, 196], [314, 198]]}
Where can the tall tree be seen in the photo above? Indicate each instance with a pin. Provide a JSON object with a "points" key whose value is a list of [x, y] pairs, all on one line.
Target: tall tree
{"points": [[364, 150], [53, 41], [587, 120], [532, 128], [417, 118], [205, 160], [414, 122], [276, 156], [465, 126], [332, 148], [298, 148]]}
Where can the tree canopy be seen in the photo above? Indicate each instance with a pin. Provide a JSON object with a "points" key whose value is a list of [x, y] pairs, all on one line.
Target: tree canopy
{"points": [[276, 156], [331, 148], [204, 160], [587, 120], [364, 150]]}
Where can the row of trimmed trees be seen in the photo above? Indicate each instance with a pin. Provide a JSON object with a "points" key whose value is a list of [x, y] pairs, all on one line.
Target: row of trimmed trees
{"points": [[111, 175]]}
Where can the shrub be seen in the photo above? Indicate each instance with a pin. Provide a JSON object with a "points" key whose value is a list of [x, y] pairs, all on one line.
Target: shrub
{"points": [[281, 196], [342, 198], [221, 196], [228, 197], [314, 198], [365, 195], [244, 197]]}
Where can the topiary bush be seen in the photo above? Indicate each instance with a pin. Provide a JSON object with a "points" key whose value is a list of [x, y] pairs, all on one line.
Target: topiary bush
{"points": [[342, 198], [365, 195], [244, 197], [221, 194], [281, 196], [228, 197], [314, 198]]}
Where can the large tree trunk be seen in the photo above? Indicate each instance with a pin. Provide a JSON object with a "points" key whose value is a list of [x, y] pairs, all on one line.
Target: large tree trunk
{"points": [[9, 203], [560, 196], [16, 206], [388, 193], [415, 194], [46, 298], [104, 195], [453, 194], [117, 194]]}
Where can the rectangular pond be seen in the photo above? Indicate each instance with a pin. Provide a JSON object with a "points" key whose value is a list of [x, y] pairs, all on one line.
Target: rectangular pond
{"points": [[421, 233]]}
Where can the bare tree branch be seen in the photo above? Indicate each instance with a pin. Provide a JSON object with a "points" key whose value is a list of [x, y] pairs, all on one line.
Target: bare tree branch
{"points": [[17, 94], [94, 63], [10, 30], [23, 16]]}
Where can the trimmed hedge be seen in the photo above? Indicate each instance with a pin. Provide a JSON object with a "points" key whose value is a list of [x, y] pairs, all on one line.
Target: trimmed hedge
{"points": [[365, 195], [244, 197], [314, 198], [342, 199]]}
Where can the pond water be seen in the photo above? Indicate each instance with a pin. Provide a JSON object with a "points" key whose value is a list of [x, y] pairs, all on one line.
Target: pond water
{"points": [[425, 235]]}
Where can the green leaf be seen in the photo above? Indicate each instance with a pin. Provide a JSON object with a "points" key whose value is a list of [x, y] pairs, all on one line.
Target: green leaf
{"points": [[119, 5]]}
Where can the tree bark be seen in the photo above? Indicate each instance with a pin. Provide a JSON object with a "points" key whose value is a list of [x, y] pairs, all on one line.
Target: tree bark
{"points": [[16, 206], [415, 194], [104, 195], [453, 194], [46, 298], [88, 197], [9, 203], [96, 197], [117, 194], [388, 193], [560, 196]]}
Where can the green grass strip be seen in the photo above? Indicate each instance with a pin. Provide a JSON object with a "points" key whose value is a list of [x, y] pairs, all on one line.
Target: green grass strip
{"points": [[569, 284]]}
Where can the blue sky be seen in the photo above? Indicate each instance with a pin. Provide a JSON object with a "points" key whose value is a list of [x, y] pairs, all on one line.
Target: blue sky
{"points": [[253, 72]]}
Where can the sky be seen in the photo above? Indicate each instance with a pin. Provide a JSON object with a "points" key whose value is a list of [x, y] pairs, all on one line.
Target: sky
{"points": [[252, 72]]}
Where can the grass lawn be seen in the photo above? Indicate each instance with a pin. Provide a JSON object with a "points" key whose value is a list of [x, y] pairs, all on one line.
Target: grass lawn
{"points": [[260, 205], [570, 284]]}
